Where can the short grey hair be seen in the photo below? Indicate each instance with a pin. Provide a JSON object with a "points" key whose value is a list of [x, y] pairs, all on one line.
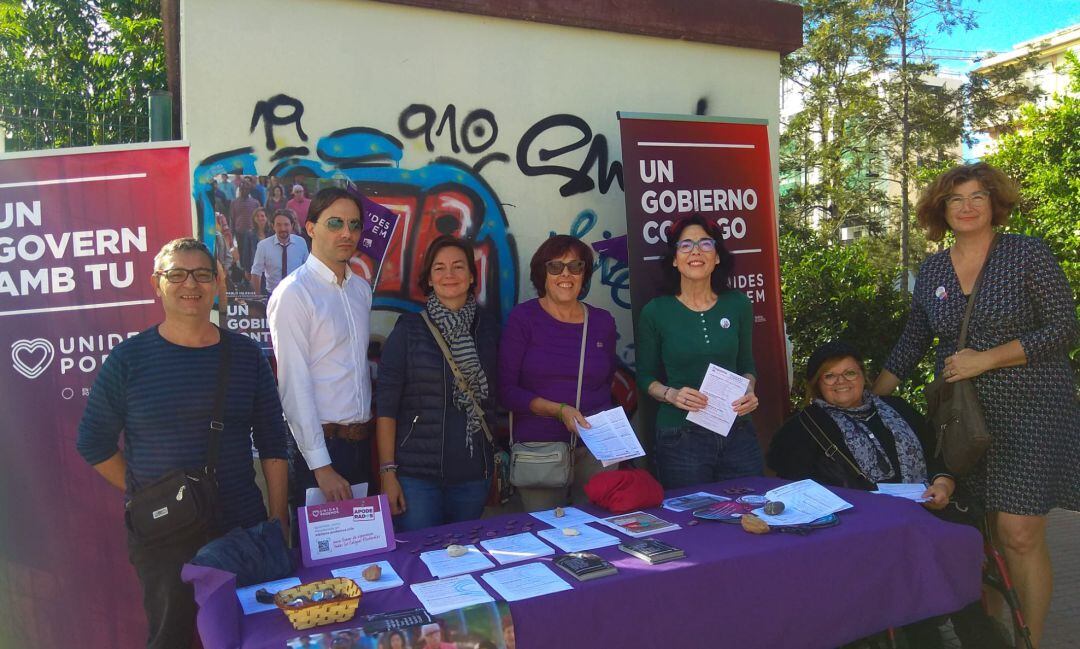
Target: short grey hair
{"points": [[183, 244]]}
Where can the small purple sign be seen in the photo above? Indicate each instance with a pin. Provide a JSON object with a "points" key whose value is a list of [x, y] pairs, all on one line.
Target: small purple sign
{"points": [[615, 247], [337, 531], [379, 224]]}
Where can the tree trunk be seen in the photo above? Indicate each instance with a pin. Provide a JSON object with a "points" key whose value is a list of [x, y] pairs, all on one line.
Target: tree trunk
{"points": [[170, 26]]}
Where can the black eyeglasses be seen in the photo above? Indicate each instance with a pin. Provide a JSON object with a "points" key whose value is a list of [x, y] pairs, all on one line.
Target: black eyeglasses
{"points": [[556, 267], [335, 224], [180, 275]]}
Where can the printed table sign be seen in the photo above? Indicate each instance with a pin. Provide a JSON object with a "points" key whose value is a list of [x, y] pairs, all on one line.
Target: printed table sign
{"points": [[333, 532]]}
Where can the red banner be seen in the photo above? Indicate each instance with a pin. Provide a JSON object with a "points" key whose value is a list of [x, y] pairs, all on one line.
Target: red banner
{"points": [[78, 234], [676, 165]]}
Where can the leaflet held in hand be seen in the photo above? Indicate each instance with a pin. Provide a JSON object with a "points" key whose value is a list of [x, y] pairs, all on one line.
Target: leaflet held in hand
{"points": [[611, 439], [722, 388]]}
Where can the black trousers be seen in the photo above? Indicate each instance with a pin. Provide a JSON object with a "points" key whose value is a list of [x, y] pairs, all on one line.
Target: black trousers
{"points": [[169, 603], [351, 459]]}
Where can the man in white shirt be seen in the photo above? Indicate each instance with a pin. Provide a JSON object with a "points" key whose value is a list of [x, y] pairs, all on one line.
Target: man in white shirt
{"points": [[277, 256], [319, 325]]}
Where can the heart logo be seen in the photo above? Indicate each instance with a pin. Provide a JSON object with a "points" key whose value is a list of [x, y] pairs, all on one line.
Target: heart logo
{"points": [[32, 357]]}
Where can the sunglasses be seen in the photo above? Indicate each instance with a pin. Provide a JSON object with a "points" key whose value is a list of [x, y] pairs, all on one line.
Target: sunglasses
{"points": [[556, 267], [335, 224], [180, 275], [686, 246]]}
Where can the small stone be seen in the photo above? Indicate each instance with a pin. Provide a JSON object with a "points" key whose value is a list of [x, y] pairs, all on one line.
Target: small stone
{"points": [[372, 572], [570, 531], [456, 550], [559, 513], [753, 524], [490, 534], [694, 522]]}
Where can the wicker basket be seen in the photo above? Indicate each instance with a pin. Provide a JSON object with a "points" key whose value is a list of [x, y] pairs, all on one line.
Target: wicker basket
{"points": [[319, 613]]}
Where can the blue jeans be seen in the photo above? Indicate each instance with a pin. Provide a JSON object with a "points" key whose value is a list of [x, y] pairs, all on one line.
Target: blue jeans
{"points": [[690, 455], [429, 503]]}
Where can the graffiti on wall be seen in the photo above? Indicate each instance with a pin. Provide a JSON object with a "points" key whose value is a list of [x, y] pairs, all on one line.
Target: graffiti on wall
{"points": [[445, 196]]}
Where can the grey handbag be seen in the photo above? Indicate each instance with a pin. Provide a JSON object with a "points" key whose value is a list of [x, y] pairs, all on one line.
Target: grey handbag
{"points": [[547, 465], [954, 408]]}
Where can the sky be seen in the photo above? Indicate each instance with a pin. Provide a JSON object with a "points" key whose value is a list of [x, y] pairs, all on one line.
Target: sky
{"points": [[1003, 24]]}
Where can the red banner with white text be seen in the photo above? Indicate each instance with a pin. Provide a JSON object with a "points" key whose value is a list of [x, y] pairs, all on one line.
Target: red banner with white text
{"points": [[676, 165], [78, 234]]}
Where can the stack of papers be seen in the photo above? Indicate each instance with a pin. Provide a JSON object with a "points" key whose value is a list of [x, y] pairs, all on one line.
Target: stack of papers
{"points": [[388, 579], [804, 501], [911, 491], [722, 387], [638, 524], [444, 595], [586, 539], [572, 517], [692, 501], [523, 582], [517, 547]]}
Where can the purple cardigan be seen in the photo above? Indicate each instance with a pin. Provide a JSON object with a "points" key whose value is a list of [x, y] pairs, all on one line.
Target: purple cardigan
{"points": [[538, 357]]}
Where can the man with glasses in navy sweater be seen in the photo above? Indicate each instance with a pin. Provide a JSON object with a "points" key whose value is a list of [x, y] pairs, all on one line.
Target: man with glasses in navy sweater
{"points": [[157, 388]]}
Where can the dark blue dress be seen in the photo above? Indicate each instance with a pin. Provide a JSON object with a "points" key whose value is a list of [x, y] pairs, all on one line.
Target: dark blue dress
{"points": [[1031, 410]]}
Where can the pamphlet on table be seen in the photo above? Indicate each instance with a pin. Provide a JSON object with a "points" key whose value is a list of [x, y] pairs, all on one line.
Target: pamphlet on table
{"points": [[387, 579], [517, 547], [441, 564], [692, 501], [525, 581], [587, 538], [585, 565], [722, 387], [341, 530], [910, 491], [443, 595], [571, 516], [804, 501], [638, 524], [611, 438]]}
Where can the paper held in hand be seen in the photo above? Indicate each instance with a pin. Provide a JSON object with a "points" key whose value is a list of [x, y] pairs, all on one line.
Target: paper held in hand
{"points": [[721, 387], [611, 438]]}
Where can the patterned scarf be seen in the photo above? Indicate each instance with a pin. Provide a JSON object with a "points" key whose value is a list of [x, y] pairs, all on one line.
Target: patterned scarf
{"points": [[455, 328], [869, 454]]}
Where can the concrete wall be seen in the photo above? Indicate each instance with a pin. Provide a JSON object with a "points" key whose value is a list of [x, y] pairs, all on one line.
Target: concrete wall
{"points": [[503, 91]]}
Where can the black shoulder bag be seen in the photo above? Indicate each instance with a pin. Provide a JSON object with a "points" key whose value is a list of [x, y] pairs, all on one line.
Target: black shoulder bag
{"points": [[183, 502], [954, 408]]}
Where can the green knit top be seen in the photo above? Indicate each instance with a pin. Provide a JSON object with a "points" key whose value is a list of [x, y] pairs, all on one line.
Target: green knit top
{"points": [[675, 341]]}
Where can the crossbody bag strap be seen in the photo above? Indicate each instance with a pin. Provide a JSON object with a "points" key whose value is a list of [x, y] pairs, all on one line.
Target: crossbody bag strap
{"points": [[827, 445], [458, 376], [581, 368], [217, 415], [962, 340]]}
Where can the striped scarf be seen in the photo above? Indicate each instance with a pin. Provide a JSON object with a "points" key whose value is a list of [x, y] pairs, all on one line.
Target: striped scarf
{"points": [[455, 327], [867, 448]]}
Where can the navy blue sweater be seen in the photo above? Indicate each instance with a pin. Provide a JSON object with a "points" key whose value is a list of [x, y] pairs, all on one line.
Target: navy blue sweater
{"points": [[161, 396]]}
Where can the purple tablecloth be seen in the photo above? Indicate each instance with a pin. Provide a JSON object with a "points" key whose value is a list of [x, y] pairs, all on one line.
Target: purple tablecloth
{"points": [[888, 563]]}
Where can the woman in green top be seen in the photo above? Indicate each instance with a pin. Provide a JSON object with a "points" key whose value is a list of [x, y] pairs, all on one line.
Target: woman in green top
{"points": [[702, 322]]}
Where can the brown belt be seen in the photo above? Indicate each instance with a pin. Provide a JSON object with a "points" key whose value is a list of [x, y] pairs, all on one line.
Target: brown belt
{"points": [[352, 432]]}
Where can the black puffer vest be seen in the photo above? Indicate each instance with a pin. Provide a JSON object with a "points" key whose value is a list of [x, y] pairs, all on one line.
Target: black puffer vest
{"points": [[427, 416]]}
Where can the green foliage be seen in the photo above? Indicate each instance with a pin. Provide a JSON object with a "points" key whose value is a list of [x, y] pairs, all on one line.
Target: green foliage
{"points": [[836, 291], [1043, 155], [78, 72]]}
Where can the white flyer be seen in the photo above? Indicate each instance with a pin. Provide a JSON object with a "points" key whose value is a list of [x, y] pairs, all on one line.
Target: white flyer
{"points": [[722, 388], [587, 538], [910, 491], [611, 438], [804, 501], [571, 517], [388, 579], [525, 581], [441, 564], [517, 547], [442, 595]]}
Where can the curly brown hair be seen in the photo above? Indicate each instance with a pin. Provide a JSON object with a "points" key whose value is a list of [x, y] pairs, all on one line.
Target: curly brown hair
{"points": [[930, 210]]}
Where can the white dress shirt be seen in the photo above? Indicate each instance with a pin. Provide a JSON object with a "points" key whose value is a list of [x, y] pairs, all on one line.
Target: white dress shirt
{"points": [[267, 261], [320, 333]]}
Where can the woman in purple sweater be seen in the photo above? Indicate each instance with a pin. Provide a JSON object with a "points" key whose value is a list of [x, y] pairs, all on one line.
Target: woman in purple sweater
{"points": [[538, 362]]}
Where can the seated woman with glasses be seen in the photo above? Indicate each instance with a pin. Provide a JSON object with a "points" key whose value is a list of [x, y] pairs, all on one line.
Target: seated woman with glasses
{"points": [[700, 322], [540, 359], [849, 437]]}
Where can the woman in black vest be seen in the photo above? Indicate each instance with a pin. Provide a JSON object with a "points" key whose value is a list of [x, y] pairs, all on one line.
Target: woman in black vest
{"points": [[849, 437], [435, 453]]}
